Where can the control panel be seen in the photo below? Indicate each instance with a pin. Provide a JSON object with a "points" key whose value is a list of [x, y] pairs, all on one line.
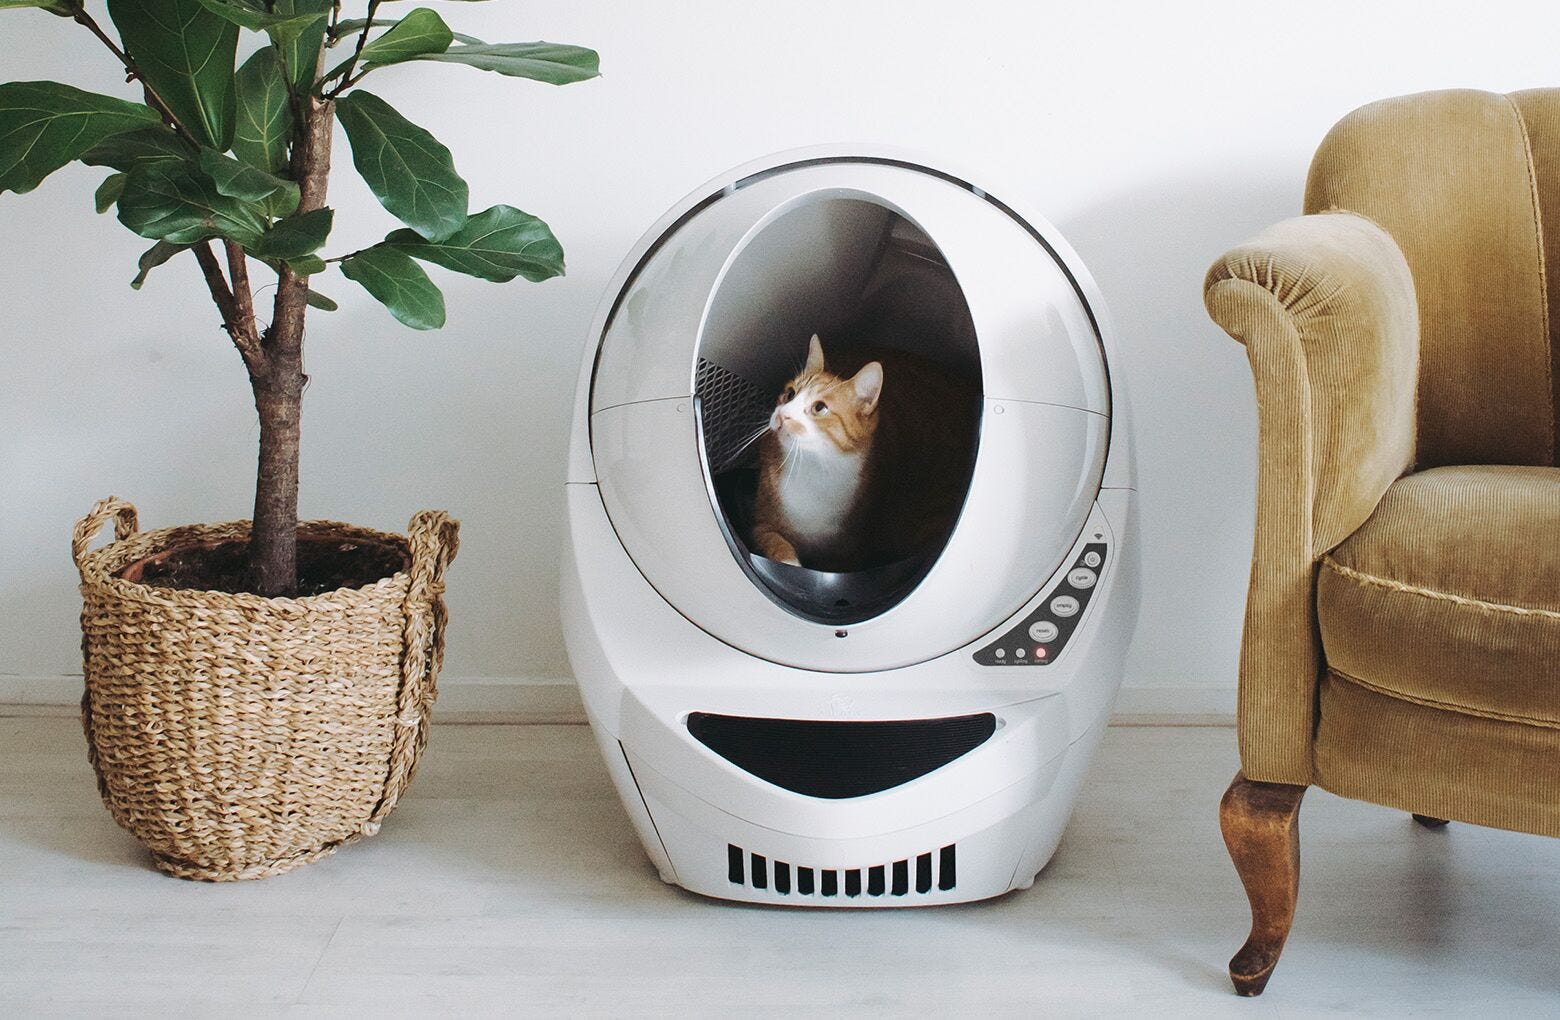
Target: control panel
{"points": [[1039, 638]]}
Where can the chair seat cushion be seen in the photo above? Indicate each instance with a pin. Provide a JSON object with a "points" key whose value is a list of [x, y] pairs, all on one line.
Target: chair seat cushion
{"points": [[1449, 595]]}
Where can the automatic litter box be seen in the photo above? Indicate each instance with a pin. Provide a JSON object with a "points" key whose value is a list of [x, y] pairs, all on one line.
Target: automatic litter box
{"points": [[914, 733]]}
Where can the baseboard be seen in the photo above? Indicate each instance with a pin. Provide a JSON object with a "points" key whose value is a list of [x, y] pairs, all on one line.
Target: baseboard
{"points": [[510, 699], [1179, 704], [536, 700]]}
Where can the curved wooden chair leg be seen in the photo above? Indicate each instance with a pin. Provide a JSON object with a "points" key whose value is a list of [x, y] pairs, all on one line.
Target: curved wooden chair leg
{"points": [[1430, 822], [1261, 825]]}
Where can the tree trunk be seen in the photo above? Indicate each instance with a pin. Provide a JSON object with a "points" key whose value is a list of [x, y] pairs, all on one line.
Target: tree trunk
{"points": [[278, 386], [273, 544]]}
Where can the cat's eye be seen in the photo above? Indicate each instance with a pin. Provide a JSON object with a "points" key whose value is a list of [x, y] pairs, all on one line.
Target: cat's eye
{"points": [[820, 408], [788, 395]]}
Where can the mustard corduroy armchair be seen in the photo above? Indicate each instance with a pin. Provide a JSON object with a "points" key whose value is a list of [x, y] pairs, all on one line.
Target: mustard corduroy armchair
{"points": [[1402, 631]]}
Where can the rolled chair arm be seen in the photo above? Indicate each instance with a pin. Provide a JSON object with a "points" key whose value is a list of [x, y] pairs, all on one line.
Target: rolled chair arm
{"points": [[1325, 305]]}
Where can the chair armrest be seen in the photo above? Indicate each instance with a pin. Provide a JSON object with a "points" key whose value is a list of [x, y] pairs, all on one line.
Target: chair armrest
{"points": [[1325, 305]]}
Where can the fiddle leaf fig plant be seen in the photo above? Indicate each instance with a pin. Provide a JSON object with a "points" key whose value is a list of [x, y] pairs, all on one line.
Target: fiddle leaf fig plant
{"points": [[230, 161]]}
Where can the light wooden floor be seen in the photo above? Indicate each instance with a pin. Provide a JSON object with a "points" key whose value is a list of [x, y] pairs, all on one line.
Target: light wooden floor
{"points": [[509, 883]]}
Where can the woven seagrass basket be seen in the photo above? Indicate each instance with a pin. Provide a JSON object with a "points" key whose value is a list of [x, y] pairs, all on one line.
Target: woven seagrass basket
{"points": [[237, 736]]}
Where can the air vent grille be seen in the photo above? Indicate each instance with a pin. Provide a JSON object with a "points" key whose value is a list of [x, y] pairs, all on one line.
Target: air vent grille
{"points": [[909, 876]]}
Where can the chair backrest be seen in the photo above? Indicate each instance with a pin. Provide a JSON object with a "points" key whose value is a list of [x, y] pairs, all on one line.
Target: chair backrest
{"points": [[1465, 181]]}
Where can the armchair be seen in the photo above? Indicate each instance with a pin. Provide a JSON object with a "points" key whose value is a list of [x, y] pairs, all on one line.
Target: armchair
{"points": [[1402, 630]]}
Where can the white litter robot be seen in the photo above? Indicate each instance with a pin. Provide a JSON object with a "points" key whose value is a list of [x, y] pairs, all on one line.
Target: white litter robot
{"points": [[910, 734]]}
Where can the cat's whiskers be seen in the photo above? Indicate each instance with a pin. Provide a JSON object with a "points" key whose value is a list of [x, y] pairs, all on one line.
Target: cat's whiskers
{"points": [[750, 440]]}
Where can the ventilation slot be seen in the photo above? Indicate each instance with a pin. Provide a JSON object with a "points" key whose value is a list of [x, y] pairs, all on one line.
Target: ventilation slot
{"points": [[875, 881]]}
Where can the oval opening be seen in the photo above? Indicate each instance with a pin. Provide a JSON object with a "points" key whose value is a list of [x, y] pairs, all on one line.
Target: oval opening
{"points": [[873, 287]]}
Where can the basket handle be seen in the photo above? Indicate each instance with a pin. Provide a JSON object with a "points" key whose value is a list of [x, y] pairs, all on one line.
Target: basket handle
{"points": [[434, 537], [113, 508]]}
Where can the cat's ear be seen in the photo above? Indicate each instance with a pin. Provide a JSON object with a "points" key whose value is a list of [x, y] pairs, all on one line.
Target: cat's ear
{"points": [[814, 356], [868, 384]]}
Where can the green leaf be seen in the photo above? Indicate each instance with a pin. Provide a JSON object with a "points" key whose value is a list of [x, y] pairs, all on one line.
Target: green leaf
{"points": [[44, 125], [242, 181], [185, 52], [301, 56], [295, 236], [109, 191], [124, 152], [320, 301], [352, 26], [399, 284], [406, 168], [171, 202], [264, 117], [419, 33], [60, 7], [553, 63], [303, 265], [253, 16], [153, 257], [496, 244]]}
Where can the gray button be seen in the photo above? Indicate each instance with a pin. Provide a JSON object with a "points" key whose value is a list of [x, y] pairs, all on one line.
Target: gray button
{"points": [[1001, 653], [1064, 605], [1082, 577], [1018, 652], [1091, 559], [1043, 631]]}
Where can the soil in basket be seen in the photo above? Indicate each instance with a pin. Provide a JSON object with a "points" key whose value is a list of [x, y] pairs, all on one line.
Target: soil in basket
{"points": [[323, 565]]}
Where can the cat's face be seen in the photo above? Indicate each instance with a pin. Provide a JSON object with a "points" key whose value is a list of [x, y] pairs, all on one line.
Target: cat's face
{"points": [[818, 412]]}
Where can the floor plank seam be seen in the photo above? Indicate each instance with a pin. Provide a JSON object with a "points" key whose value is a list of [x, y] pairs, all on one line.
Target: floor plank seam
{"points": [[303, 989]]}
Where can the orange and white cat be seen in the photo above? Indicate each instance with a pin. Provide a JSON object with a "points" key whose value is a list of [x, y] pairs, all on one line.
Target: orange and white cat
{"points": [[865, 462]]}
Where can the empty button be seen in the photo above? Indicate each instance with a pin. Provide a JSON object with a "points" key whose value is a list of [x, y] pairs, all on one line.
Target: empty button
{"points": [[1043, 631], [1064, 605]]}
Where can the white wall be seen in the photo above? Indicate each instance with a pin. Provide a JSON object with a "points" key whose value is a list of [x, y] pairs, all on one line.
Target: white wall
{"points": [[1154, 136]]}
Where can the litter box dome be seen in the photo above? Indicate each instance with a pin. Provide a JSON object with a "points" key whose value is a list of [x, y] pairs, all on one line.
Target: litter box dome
{"points": [[715, 316]]}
